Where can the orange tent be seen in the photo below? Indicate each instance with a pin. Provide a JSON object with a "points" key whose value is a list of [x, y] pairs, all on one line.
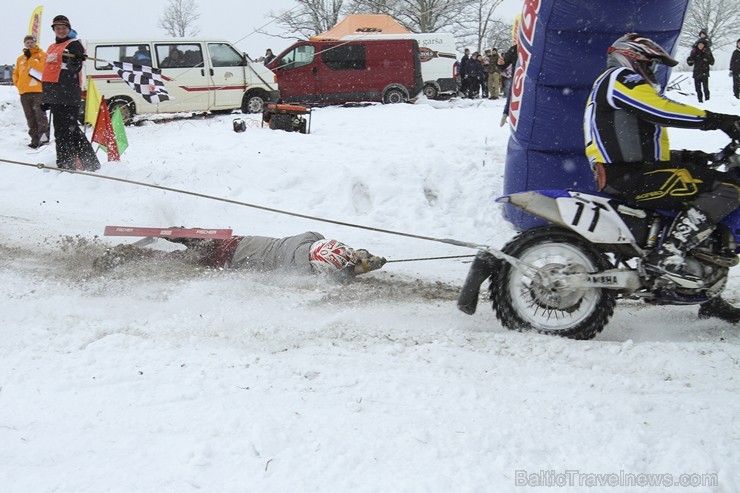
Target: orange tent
{"points": [[362, 24]]}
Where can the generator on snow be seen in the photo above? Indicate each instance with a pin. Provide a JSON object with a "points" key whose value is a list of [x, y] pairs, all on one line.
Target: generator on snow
{"points": [[287, 117]]}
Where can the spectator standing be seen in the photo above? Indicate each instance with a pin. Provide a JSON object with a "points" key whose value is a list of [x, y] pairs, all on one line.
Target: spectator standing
{"points": [[269, 56], [63, 94], [701, 59], [464, 72], [476, 75], [27, 78], [703, 38], [494, 76], [735, 70], [486, 60]]}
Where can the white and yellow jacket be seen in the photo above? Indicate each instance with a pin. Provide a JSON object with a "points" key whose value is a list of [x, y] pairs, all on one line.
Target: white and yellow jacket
{"points": [[625, 119]]}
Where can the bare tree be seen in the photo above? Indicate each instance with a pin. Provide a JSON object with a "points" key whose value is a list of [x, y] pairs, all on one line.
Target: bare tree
{"points": [[477, 22], [421, 16], [720, 19], [308, 18], [178, 18], [499, 35]]}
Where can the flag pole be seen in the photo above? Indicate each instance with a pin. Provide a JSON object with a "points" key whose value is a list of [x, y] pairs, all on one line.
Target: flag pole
{"points": [[72, 55]]}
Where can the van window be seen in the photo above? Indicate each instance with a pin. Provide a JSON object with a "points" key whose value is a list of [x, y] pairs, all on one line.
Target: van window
{"points": [[298, 57], [133, 53], [344, 57], [224, 55], [181, 55]]}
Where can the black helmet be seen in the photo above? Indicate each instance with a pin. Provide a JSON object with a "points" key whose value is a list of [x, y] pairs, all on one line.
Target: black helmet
{"points": [[61, 20], [639, 53]]}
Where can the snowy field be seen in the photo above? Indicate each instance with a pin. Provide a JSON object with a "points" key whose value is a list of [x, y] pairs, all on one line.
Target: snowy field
{"points": [[159, 378]]}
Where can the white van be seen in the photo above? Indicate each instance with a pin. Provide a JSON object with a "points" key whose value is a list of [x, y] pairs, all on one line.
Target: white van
{"points": [[438, 56], [200, 75]]}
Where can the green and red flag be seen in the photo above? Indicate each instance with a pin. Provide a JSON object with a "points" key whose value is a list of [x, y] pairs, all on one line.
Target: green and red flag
{"points": [[110, 132]]}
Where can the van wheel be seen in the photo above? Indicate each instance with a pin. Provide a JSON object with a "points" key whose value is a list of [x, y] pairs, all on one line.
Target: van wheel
{"points": [[394, 96], [430, 91], [126, 107], [253, 103]]}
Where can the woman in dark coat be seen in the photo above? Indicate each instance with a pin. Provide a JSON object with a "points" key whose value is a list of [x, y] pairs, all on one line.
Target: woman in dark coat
{"points": [[476, 73], [701, 59]]}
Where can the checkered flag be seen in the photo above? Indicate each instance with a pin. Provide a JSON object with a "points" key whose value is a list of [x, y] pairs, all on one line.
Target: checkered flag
{"points": [[147, 81]]}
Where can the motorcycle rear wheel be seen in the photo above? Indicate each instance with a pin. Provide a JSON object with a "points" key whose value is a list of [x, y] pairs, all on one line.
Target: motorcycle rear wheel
{"points": [[522, 303]]}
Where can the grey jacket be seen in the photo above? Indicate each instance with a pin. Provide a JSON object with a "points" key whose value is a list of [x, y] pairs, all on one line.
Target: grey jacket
{"points": [[264, 253]]}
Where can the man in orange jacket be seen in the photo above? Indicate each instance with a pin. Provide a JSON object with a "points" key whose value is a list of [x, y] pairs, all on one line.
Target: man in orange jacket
{"points": [[27, 78]]}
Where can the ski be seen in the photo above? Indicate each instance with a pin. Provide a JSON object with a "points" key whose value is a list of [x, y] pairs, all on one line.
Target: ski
{"points": [[220, 234]]}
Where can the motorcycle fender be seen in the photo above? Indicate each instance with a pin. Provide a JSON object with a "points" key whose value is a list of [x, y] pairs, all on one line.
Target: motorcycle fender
{"points": [[535, 203], [594, 218], [591, 216]]}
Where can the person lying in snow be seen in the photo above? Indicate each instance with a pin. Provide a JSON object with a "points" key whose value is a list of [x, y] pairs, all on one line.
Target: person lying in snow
{"points": [[305, 253]]}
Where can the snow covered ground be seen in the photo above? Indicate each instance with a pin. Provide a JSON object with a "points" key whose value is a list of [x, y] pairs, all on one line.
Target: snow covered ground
{"points": [[159, 378]]}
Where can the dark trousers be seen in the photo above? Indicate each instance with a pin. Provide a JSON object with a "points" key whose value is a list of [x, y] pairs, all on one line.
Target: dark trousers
{"points": [[38, 124], [473, 86], [72, 146], [664, 185], [464, 86], [699, 84], [505, 86], [736, 84]]}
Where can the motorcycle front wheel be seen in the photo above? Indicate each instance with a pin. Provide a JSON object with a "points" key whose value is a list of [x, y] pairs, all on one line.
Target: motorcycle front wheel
{"points": [[528, 301]]}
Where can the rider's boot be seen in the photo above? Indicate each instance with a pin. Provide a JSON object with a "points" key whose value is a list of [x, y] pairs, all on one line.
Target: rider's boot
{"points": [[690, 227], [721, 309]]}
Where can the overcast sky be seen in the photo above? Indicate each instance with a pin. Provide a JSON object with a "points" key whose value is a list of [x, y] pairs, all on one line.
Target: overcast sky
{"points": [[229, 20]]}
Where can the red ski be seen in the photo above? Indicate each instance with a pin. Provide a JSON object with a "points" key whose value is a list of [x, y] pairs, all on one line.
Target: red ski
{"points": [[220, 234]]}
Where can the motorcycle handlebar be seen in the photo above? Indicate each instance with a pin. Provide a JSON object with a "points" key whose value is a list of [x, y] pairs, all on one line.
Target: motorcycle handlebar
{"points": [[727, 156]]}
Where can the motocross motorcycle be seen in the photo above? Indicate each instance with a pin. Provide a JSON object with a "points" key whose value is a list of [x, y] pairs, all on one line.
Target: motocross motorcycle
{"points": [[565, 278]]}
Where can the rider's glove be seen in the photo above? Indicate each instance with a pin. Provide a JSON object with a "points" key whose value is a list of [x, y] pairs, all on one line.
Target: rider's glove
{"points": [[729, 124], [697, 158], [365, 262]]}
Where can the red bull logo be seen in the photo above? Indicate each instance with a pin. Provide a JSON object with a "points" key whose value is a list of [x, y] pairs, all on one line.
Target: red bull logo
{"points": [[527, 25]]}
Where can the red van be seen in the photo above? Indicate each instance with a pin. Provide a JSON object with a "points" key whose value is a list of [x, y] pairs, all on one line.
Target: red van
{"points": [[327, 72]]}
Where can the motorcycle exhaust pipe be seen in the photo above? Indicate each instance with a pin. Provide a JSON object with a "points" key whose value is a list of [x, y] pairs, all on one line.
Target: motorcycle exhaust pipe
{"points": [[484, 266]]}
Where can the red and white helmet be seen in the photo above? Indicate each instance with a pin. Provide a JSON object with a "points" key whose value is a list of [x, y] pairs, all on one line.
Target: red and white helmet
{"points": [[330, 256], [640, 54]]}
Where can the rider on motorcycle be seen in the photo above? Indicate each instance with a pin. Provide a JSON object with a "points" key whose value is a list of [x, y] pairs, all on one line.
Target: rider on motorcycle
{"points": [[627, 147]]}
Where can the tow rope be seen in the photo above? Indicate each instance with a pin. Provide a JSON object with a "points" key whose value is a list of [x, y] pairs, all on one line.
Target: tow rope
{"points": [[447, 241]]}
